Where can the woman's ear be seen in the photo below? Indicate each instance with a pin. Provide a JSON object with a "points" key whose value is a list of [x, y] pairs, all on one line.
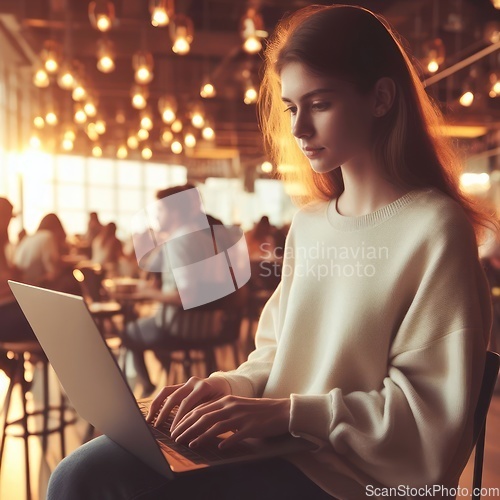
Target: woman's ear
{"points": [[384, 93]]}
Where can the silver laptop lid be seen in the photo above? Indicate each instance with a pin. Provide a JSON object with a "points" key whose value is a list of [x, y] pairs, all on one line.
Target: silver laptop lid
{"points": [[87, 369]]}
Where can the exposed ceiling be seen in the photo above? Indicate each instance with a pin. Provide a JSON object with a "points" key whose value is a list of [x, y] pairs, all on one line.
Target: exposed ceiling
{"points": [[217, 51]]}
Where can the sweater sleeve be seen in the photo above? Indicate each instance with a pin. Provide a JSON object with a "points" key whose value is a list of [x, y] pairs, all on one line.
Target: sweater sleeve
{"points": [[251, 377], [417, 428]]}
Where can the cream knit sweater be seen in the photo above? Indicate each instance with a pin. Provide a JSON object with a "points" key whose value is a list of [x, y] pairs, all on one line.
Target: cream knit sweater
{"points": [[378, 333]]}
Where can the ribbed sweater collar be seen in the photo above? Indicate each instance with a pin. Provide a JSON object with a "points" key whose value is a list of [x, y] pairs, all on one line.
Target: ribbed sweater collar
{"points": [[344, 223]]}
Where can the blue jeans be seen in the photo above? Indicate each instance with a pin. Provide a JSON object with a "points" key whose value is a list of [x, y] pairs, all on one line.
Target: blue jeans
{"points": [[102, 470]]}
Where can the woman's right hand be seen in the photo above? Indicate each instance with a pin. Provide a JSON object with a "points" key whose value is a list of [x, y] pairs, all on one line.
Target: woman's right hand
{"points": [[194, 392]]}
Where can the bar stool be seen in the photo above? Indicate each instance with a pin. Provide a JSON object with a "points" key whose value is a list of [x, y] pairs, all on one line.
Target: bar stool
{"points": [[62, 414]]}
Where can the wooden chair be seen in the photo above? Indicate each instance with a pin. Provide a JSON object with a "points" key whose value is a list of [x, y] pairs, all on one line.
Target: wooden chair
{"points": [[203, 330], [487, 387]]}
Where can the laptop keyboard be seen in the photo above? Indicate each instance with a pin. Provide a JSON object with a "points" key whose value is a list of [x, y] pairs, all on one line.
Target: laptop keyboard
{"points": [[203, 454]]}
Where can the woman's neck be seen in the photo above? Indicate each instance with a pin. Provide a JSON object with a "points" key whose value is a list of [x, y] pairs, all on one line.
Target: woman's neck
{"points": [[365, 191]]}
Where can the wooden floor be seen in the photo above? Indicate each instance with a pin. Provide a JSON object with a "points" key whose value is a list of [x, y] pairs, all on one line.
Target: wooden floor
{"points": [[12, 477]]}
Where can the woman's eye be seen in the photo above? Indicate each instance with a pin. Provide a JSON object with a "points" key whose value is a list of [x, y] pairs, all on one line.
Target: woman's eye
{"points": [[291, 109], [320, 106]]}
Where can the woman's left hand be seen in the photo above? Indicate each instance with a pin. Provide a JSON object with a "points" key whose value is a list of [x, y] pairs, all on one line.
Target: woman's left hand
{"points": [[246, 417]]}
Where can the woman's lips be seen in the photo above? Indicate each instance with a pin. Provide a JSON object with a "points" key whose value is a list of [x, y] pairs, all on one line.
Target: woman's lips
{"points": [[313, 152]]}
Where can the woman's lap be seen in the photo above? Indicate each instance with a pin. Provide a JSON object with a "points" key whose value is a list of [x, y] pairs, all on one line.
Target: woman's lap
{"points": [[101, 470]]}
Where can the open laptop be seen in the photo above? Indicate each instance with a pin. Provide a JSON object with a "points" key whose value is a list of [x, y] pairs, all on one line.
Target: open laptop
{"points": [[100, 394]]}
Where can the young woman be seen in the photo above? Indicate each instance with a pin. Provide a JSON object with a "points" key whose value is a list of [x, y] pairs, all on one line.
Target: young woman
{"points": [[373, 345]]}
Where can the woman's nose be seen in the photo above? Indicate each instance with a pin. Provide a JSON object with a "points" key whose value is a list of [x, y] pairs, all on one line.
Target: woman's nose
{"points": [[302, 126]]}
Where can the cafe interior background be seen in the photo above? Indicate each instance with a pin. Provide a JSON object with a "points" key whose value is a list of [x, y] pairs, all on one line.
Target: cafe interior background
{"points": [[104, 102]]}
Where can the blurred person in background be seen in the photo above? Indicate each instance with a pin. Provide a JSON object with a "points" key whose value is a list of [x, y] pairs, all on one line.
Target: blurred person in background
{"points": [[39, 257], [107, 249], [13, 324]]}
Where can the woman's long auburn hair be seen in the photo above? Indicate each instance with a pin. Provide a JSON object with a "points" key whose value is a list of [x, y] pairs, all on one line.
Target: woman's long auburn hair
{"points": [[359, 46]]}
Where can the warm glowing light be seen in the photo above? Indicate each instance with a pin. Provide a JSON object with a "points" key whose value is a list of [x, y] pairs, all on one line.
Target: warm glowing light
{"points": [[143, 134], [90, 108], [207, 91], [39, 122], [181, 33], [146, 153], [97, 151], [250, 95], [51, 65], [166, 137], [91, 131], [177, 126], [168, 116], [433, 66], [51, 118], [41, 78], [208, 133], [496, 87], [67, 145], [266, 167], [79, 93], [103, 23], [100, 127], [467, 98], [35, 141], [80, 116], [176, 147], [146, 121], [122, 152], [70, 135], [143, 75], [190, 140], [140, 95], [197, 120], [132, 142], [161, 11], [159, 17], [105, 64], [252, 45], [181, 46], [474, 183], [66, 80]]}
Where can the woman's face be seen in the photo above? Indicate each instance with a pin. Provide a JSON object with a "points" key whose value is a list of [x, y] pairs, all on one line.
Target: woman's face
{"points": [[330, 119]]}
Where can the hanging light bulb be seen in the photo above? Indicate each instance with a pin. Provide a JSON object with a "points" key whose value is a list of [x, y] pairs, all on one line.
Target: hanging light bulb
{"points": [[67, 144], [143, 63], [70, 134], [146, 119], [91, 131], [467, 97], [167, 106], [40, 77], [100, 126], [189, 139], [435, 54], [143, 134], [51, 55], [251, 94], [207, 90], [181, 33], [35, 141], [102, 15], [66, 76], [51, 117], [97, 151], [122, 152], [176, 147], [132, 141], [197, 118], [39, 122], [80, 116], [495, 84], [161, 12], [140, 96], [90, 107], [146, 153], [252, 30], [208, 133], [105, 56], [177, 126], [79, 92], [166, 137]]}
